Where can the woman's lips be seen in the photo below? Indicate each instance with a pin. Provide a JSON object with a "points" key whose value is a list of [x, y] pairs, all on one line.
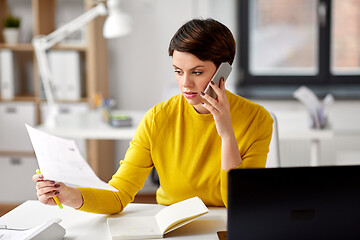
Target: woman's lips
{"points": [[190, 95]]}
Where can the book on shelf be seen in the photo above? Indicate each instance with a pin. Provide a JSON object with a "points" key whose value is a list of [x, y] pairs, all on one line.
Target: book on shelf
{"points": [[165, 221]]}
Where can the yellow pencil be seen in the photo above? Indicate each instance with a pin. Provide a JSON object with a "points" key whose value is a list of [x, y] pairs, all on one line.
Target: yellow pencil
{"points": [[55, 198]]}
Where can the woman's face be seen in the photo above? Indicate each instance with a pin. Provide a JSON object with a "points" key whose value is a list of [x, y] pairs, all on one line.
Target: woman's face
{"points": [[192, 76]]}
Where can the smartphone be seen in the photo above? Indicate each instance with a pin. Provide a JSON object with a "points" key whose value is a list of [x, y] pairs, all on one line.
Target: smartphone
{"points": [[223, 71]]}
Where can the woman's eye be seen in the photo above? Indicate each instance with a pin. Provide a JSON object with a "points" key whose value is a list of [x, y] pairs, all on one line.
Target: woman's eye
{"points": [[177, 71], [197, 72]]}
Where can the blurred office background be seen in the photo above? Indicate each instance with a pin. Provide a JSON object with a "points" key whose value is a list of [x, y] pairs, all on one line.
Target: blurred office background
{"points": [[282, 45], [285, 43]]}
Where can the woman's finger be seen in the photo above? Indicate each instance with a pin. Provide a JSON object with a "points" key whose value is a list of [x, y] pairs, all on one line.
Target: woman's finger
{"points": [[37, 177], [47, 183], [222, 84], [48, 189], [210, 107], [47, 198], [208, 98], [210, 103], [222, 92], [218, 90]]}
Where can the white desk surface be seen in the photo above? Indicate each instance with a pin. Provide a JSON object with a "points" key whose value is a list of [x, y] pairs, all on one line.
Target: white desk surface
{"points": [[293, 125], [89, 125], [81, 225]]}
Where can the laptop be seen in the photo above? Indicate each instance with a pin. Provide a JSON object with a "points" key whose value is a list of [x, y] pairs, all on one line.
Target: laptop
{"points": [[294, 203]]}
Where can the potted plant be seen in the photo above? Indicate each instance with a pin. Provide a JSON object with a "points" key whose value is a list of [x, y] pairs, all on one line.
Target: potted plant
{"points": [[11, 29]]}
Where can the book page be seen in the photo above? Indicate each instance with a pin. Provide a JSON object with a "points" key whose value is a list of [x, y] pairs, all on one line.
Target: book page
{"points": [[133, 228], [179, 214], [60, 160]]}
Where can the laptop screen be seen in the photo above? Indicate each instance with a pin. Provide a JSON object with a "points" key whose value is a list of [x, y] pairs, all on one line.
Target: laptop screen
{"points": [[294, 203]]}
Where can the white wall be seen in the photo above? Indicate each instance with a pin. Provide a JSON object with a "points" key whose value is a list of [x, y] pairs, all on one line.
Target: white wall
{"points": [[140, 69]]}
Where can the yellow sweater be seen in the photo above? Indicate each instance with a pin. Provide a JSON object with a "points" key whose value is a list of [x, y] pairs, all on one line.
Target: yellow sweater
{"points": [[185, 149]]}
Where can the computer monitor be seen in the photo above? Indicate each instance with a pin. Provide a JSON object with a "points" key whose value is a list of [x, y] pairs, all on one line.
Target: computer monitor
{"points": [[294, 203]]}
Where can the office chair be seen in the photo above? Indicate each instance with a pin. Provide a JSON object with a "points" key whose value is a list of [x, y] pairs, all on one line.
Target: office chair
{"points": [[273, 158]]}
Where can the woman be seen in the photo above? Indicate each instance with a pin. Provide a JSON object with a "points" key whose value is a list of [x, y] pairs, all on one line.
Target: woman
{"points": [[191, 139]]}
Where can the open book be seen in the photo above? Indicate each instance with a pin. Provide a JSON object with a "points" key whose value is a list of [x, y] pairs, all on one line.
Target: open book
{"points": [[166, 220]]}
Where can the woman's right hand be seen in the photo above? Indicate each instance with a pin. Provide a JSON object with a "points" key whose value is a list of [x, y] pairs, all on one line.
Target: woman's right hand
{"points": [[47, 189]]}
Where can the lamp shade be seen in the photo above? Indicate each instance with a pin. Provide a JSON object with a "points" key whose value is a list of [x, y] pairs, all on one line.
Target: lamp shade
{"points": [[117, 23]]}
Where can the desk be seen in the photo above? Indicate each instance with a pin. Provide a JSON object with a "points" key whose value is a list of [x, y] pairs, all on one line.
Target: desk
{"points": [[294, 125], [81, 225], [90, 125]]}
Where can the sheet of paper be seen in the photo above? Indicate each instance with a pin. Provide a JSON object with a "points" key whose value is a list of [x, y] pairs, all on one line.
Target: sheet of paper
{"points": [[60, 160]]}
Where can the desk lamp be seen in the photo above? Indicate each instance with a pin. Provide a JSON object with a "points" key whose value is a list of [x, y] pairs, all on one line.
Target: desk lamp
{"points": [[117, 24]]}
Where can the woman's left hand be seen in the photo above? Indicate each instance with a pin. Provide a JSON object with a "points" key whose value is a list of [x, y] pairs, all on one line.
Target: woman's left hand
{"points": [[220, 109]]}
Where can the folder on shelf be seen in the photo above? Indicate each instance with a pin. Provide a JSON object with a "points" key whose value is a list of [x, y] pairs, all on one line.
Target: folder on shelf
{"points": [[7, 78], [66, 74]]}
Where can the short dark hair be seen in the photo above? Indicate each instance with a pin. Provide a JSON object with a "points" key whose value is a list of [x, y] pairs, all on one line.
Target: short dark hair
{"points": [[207, 39]]}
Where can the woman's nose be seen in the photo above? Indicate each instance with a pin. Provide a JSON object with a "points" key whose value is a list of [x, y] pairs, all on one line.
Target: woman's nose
{"points": [[187, 81]]}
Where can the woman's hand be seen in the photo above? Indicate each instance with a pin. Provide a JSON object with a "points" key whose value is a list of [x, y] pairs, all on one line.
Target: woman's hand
{"points": [[47, 189], [220, 109]]}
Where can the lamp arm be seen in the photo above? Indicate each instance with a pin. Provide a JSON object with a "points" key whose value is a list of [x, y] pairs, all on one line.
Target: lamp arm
{"points": [[45, 75], [43, 43], [44, 70], [61, 33]]}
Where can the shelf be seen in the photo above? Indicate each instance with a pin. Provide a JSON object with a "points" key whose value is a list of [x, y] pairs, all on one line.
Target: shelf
{"points": [[81, 100], [20, 99], [27, 47], [21, 47], [70, 46], [17, 154]]}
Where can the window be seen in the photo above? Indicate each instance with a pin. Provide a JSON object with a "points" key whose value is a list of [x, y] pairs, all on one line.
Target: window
{"points": [[299, 42], [345, 46]]}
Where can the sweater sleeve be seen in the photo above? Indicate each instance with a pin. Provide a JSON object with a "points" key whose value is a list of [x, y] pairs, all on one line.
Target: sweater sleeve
{"points": [[255, 156], [129, 178]]}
